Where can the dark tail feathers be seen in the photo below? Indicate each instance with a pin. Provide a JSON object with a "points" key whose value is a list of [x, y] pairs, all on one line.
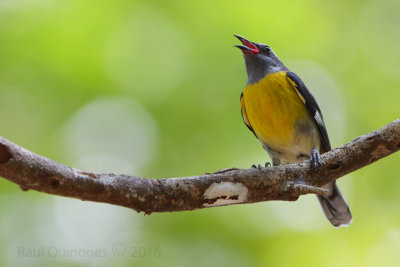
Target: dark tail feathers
{"points": [[335, 207]]}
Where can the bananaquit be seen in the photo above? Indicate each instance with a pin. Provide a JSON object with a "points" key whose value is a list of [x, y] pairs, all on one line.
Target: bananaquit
{"points": [[278, 108]]}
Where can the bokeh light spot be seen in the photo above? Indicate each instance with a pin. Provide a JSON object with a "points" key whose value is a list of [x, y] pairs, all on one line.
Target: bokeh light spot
{"points": [[147, 53], [379, 35], [111, 135], [301, 215], [386, 251]]}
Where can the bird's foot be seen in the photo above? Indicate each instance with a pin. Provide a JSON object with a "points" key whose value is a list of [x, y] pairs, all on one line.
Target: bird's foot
{"points": [[256, 167], [315, 159], [266, 165]]}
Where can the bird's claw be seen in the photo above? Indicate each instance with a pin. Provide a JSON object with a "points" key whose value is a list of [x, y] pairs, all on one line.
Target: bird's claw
{"points": [[258, 166], [315, 159]]}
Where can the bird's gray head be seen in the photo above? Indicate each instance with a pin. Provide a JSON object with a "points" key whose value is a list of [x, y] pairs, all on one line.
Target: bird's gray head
{"points": [[260, 60]]}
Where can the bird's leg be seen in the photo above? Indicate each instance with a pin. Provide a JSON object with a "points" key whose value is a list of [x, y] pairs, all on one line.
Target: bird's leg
{"points": [[315, 158]]}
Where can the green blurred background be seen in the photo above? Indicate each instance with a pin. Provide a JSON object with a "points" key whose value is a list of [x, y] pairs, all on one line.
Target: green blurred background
{"points": [[152, 88]]}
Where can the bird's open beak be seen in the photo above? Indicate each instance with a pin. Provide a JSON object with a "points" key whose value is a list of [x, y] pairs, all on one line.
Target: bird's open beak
{"points": [[247, 45]]}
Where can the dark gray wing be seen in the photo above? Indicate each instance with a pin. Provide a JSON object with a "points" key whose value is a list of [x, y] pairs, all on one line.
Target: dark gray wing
{"points": [[312, 107]]}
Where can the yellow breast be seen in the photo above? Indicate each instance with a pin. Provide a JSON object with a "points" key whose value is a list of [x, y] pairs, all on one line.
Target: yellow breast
{"points": [[272, 109]]}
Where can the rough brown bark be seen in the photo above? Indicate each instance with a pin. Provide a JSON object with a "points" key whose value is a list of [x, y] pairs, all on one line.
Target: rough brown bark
{"points": [[225, 187]]}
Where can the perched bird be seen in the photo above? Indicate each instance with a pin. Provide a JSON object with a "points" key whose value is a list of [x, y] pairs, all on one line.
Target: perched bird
{"points": [[280, 111]]}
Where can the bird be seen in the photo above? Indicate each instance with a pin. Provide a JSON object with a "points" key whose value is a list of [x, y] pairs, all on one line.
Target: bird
{"points": [[286, 119]]}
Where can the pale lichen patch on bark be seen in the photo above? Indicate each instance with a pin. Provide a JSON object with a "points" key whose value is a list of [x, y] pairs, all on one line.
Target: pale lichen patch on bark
{"points": [[225, 193]]}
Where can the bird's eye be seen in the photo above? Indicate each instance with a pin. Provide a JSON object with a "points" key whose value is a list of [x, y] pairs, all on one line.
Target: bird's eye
{"points": [[267, 49]]}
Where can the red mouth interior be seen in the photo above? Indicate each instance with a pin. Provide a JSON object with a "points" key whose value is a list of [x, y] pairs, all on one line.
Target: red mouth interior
{"points": [[250, 45]]}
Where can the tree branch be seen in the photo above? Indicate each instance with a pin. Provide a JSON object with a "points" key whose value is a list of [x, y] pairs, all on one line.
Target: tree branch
{"points": [[225, 187]]}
